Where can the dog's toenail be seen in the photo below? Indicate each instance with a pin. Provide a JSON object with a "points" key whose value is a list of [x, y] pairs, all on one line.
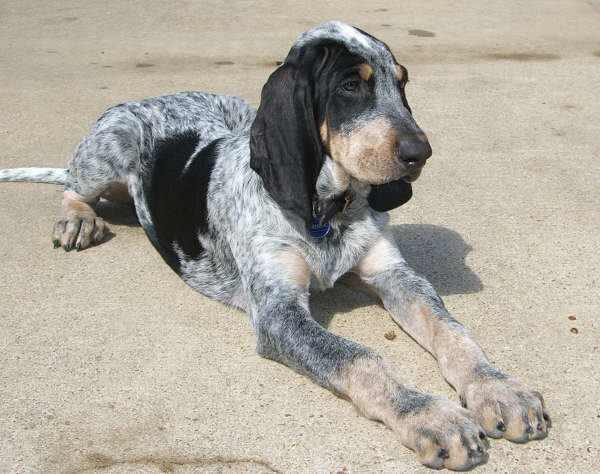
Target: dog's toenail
{"points": [[500, 426], [529, 429], [463, 402], [442, 453], [546, 417], [482, 435], [540, 427]]}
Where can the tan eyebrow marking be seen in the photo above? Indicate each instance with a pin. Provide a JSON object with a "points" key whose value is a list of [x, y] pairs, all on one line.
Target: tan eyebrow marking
{"points": [[399, 72], [365, 71]]}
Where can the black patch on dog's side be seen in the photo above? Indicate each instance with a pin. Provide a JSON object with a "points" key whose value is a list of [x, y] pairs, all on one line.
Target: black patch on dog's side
{"points": [[177, 198]]}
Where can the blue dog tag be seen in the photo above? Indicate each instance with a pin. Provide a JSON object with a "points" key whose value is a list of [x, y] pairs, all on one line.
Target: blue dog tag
{"points": [[316, 230]]}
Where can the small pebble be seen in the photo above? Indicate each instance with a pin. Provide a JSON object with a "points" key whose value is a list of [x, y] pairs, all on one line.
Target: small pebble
{"points": [[390, 335]]}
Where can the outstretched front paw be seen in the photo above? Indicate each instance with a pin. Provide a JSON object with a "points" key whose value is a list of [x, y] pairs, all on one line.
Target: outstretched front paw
{"points": [[444, 435], [506, 408]]}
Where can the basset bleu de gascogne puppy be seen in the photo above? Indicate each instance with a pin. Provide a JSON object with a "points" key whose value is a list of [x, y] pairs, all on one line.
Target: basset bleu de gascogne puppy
{"points": [[256, 208]]}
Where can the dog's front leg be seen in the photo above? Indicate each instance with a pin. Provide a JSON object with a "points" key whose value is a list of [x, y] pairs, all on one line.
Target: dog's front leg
{"points": [[503, 405], [441, 432]]}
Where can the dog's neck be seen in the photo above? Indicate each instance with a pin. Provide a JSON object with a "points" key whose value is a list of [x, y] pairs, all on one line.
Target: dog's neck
{"points": [[332, 180], [335, 189]]}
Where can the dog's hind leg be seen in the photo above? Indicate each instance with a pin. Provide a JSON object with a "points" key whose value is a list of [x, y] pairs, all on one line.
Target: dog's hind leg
{"points": [[95, 171], [79, 226]]}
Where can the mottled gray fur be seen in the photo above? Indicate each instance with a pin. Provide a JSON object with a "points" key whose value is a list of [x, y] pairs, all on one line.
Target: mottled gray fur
{"points": [[36, 175]]}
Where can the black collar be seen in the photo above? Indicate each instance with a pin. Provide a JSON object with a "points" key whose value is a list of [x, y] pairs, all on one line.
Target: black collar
{"points": [[325, 209], [382, 198]]}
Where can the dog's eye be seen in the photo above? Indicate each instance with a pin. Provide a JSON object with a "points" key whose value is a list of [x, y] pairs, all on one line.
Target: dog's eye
{"points": [[351, 85]]}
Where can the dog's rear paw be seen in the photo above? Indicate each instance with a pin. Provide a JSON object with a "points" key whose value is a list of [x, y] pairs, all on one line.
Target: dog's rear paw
{"points": [[77, 232]]}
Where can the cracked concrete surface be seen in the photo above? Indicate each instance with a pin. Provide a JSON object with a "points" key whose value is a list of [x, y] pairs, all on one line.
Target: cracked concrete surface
{"points": [[110, 363]]}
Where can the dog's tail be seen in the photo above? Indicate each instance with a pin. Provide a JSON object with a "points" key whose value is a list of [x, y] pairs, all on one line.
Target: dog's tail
{"points": [[36, 175]]}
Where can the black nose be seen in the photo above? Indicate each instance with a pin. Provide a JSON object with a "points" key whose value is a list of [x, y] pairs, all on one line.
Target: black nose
{"points": [[414, 151]]}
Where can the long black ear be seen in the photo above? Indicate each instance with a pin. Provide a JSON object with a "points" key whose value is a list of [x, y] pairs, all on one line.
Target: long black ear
{"points": [[385, 197], [285, 148]]}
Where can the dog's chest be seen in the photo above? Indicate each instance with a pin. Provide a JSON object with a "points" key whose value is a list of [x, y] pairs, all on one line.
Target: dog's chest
{"points": [[337, 253]]}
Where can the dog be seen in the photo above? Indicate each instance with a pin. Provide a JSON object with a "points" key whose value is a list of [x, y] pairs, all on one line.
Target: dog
{"points": [[255, 208]]}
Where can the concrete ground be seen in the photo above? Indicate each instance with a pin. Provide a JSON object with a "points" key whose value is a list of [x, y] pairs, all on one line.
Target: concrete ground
{"points": [[111, 364]]}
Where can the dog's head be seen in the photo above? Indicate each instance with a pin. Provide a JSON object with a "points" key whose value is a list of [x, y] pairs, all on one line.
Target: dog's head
{"points": [[340, 92]]}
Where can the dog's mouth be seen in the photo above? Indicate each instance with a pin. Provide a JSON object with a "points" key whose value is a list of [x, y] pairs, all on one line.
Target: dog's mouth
{"points": [[412, 174], [412, 177], [409, 175]]}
